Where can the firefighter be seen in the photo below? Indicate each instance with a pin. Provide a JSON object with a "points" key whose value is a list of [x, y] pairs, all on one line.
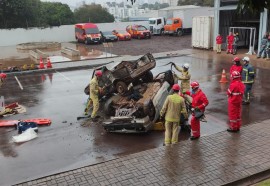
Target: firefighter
{"points": [[235, 94], [3, 76], [94, 95], [199, 102], [236, 66], [185, 77], [248, 76], [230, 39], [219, 43], [172, 109]]}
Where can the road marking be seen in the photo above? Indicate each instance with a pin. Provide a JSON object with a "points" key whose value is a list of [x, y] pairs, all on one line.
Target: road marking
{"points": [[19, 82], [64, 76]]}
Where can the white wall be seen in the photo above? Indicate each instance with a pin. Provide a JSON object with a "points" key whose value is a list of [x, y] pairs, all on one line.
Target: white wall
{"points": [[63, 33]]}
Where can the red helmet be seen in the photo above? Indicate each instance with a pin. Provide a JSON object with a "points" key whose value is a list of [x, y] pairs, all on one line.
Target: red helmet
{"points": [[3, 75], [236, 59], [235, 74], [98, 73], [176, 87], [194, 84]]}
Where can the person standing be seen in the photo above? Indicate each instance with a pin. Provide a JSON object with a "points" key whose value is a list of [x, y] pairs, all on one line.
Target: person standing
{"points": [[219, 43], [267, 49], [185, 76], [94, 95], [3, 76], [172, 109], [199, 102], [262, 52], [235, 43], [248, 76], [230, 39], [235, 94], [236, 66]]}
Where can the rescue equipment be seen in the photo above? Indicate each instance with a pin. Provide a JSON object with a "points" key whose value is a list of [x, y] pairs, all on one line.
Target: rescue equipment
{"points": [[38, 121]]}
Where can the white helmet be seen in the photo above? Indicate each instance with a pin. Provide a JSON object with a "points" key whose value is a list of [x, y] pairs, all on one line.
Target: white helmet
{"points": [[186, 65], [246, 59]]}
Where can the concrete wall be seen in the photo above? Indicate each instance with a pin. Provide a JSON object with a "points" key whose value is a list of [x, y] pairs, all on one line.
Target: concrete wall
{"points": [[63, 33]]}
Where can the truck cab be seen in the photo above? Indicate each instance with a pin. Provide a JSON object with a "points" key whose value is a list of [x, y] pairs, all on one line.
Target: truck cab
{"points": [[174, 26], [156, 25], [87, 33]]}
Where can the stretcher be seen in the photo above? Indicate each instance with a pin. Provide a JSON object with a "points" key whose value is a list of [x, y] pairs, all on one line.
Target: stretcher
{"points": [[12, 123]]}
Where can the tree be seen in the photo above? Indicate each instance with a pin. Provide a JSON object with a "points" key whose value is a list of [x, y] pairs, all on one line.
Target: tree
{"points": [[56, 14], [93, 13], [253, 5], [196, 2]]}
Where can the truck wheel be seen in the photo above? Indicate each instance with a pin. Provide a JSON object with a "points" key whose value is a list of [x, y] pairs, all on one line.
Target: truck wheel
{"points": [[161, 32], [121, 87], [148, 77], [179, 32]]}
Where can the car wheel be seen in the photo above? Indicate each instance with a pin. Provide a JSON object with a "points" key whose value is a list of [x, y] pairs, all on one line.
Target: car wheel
{"points": [[148, 77], [108, 108], [86, 42], [121, 87]]}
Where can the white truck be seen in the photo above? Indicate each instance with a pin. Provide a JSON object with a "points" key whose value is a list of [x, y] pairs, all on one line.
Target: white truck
{"points": [[156, 25]]}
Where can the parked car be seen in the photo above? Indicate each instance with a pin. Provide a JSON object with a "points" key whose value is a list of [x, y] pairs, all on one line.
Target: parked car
{"points": [[138, 31], [87, 33], [108, 36], [122, 35], [126, 72], [138, 111]]}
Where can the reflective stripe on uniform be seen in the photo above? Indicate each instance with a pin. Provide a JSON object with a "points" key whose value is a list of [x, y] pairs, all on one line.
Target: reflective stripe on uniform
{"points": [[236, 94], [233, 121]]}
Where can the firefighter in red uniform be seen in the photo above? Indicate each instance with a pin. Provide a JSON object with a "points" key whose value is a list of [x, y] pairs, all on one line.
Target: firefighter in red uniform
{"points": [[199, 102], [230, 39], [236, 66], [235, 95], [219, 43]]}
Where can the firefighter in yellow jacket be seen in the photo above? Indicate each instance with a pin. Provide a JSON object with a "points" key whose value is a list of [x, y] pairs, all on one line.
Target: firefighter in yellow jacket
{"points": [[184, 77], [94, 95], [172, 109]]}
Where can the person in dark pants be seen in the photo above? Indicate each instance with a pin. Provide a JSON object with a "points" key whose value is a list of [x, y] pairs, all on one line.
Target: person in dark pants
{"points": [[262, 52], [248, 76], [235, 43]]}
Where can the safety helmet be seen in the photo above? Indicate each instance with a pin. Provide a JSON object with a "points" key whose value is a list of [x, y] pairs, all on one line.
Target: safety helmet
{"points": [[186, 65], [176, 87], [236, 59], [194, 85], [235, 74], [98, 73], [246, 59], [3, 75]]}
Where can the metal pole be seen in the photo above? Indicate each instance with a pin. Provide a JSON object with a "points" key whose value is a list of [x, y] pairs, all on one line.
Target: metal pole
{"points": [[253, 52]]}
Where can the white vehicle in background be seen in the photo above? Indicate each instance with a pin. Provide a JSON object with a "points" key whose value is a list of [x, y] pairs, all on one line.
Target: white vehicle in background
{"points": [[156, 25]]}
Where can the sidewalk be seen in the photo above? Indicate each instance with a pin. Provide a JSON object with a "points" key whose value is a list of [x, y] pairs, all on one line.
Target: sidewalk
{"points": [[219, 159]]}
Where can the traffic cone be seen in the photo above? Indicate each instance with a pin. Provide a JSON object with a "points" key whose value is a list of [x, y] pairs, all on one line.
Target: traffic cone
{"points": [[223, 77], [49, 64], [41, 64]]}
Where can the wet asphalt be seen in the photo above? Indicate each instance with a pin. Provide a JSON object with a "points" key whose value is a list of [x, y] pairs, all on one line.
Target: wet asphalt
{"points": [[65, 144]]}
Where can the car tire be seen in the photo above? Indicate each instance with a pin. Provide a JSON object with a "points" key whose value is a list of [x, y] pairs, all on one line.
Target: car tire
{"points": [[121, 87], [108, 109], [148, 77], [86, 42]]}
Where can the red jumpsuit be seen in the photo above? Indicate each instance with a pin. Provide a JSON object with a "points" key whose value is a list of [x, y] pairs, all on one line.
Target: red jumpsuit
{"points": [[200, 101], [235, 95], [237, 68], [230, 39]]}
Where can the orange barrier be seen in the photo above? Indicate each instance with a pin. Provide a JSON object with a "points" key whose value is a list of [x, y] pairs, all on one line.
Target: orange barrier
{"points": [[223, 77]]}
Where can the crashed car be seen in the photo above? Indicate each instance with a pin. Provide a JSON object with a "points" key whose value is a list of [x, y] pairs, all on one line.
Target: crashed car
{"points": [[126, 72], [137, 111]]}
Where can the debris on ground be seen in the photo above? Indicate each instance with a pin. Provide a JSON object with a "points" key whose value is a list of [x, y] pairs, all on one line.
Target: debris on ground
{"points": [[28, 135]]}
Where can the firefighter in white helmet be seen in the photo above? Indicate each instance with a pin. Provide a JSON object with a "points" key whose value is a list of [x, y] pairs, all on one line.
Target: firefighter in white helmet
{"points": [[184, 77]]}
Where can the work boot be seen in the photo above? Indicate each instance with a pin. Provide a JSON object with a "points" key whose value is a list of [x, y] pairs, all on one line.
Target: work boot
{"points": [[233, 131], [194, 138], [245, 103]]}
